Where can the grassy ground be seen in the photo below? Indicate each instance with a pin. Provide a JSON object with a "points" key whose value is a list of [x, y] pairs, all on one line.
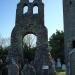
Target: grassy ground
{"points": [[60, 73]]}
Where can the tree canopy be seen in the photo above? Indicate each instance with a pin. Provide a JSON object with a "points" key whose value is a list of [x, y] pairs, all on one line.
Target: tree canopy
{"points": [[56, 41]]}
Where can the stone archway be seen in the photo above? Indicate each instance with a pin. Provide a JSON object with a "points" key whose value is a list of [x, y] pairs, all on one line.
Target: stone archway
{"points": [[41, 55], [29, 47]]}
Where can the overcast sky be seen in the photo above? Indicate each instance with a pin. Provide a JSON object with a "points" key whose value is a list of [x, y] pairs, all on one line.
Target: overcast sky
{"points": [[53, 16]]}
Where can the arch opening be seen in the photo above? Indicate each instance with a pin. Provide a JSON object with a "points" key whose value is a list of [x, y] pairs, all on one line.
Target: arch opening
{"points": [[25, 9], [35, 10], [31, 1], [29, 47]]}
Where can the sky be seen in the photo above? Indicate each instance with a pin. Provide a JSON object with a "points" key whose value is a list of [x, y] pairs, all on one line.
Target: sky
{"points": [[53, 16]]}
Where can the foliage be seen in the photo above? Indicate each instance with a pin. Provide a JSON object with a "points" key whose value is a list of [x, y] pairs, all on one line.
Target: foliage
{"points": [[56, 41], [3, 48], [3, 53], [29, 53]]}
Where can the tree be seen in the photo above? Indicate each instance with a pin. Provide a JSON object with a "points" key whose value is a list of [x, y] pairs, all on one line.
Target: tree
{"points": [[3, 49], [56, 41], [4, 42], [3, 55]]}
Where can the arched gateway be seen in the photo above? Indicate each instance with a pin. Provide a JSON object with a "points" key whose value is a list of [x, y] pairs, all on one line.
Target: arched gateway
{"points": [[30, 22]]}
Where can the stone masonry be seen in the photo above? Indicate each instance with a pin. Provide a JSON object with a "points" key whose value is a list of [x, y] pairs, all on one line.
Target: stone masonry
{"points": [[30, 23], [69, 35]]}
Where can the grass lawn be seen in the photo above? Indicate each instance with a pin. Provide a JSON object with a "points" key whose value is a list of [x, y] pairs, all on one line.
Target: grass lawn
{"points": [[60, 73]]}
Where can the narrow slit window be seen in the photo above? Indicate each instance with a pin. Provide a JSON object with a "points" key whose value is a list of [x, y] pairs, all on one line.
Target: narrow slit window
{"points": [[35, 10], [25, 9]]}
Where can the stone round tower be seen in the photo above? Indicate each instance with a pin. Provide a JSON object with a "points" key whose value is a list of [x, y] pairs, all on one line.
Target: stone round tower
{"points": [[69, 35]]}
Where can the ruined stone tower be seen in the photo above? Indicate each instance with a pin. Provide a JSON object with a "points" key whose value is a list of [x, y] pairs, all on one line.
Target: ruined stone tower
{"points": [[69, 35], [30, 23]]}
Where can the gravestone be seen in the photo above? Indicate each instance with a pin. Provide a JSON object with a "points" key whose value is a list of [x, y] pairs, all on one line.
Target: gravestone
{"points": [[28, 22], [63, 67], [58, 63], [28, 70]]}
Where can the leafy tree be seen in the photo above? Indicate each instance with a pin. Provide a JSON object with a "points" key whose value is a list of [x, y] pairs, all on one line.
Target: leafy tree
{"points": [[3, 49], [56, 41], [3, 53]]}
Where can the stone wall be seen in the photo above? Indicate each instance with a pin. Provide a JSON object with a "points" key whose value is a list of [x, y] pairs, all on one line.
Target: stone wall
{"points": [[69, 35]]}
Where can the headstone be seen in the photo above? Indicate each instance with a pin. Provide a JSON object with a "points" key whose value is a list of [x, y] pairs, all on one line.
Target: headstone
{"points": [[13, 69], [28, 70], [45, 67], [63, 66], [58, 63]]}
